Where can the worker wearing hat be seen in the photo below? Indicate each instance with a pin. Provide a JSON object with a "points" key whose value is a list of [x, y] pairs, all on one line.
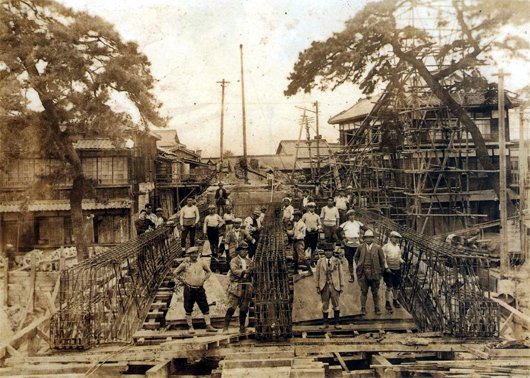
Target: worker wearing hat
{"points": [[221, 198], [189, 218], [235, 237], [160, 219], [341, 202], [299, 234], [210, 228], [329, 284], [349, 233], [313, 225], [392, 275], [370, 261], [228, 217], [192, 273], [253, 226], [349, 195], [240, 288]]}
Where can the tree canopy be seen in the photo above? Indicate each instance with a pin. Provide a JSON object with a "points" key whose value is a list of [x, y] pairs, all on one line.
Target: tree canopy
{"points": [[60, 71], [379, 46]]}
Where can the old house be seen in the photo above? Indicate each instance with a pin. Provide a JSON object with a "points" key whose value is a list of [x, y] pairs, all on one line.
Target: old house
{"points": [[34, 206], [419, 165]]}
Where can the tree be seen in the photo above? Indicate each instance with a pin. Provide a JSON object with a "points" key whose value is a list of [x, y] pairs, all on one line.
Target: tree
{"points": [[376, 49], [59, 71]]}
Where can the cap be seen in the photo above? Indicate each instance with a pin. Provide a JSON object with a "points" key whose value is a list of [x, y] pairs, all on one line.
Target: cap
{"points": [[159, 209], [148, 205], [242, 245], [257, 212], [349, 187], [263, 208], [237, 220], [331, 198], [286, 199], [311, 204], [211, 207], [368, 233], [297, 212], [191, 250], [350, 212], [396, 234], [328, 246]]}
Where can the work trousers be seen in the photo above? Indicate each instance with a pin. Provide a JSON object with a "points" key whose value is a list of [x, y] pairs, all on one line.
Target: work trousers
{"points": [[187, 230], [311, 242], [369, 284], [213, 239], [349, 253], [329, 233], [299, 255], [329, 293], [194, 295]]}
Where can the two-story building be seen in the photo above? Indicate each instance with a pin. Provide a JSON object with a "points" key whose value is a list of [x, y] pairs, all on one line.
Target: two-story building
{"points": [[35, 208]]}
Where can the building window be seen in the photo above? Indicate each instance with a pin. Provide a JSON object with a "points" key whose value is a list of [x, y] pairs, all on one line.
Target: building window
{"points": [[50, 231], [484, 125]]}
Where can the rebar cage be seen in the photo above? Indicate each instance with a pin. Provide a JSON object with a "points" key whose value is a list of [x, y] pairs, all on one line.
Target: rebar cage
{"points": [[103, 299], [440, 283], [273, 294]]}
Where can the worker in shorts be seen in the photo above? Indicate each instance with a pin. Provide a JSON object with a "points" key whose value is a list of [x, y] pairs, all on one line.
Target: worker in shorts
{"points": [[299, 234], [330, 284], [239, 289], [193, 273], [392, 274]]}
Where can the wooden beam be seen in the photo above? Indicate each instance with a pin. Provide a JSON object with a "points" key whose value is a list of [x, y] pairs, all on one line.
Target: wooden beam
{"points": [[382, 366]]}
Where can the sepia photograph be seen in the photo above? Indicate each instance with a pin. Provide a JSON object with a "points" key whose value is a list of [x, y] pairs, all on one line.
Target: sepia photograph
{"points": [[264, 189]]}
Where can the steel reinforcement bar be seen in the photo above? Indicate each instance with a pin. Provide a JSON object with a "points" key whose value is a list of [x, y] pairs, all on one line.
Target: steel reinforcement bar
{"points": [[440, 283], [103, 299], [273, 299]]}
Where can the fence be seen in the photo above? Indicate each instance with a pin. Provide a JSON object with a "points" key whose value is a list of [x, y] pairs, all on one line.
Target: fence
{"points": [[103, 299]]}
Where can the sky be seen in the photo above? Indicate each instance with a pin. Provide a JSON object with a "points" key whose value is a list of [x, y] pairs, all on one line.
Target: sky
{"points": [[194, 44]]}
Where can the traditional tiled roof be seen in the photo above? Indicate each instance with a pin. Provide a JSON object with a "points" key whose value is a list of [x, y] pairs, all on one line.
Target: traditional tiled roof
{"points": [[357, 111], [63, 205], [94, 144], [288, 147]]}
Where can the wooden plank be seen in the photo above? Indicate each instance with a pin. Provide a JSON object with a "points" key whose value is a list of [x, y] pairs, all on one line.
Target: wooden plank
{"points": [[12, 351], [381, 366], [341, 362], [476, 352]]}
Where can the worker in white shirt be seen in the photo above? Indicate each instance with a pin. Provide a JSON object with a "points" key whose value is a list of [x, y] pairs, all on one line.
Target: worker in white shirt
{"points": [[330, 220], [299, 234], [228, 218], [313, 227], [341, 202], [349, 233], [350, 196], [210, 228], [262, 214], [149, 213], [189, 218], [392, 274], [160, 219], [287, 210]]}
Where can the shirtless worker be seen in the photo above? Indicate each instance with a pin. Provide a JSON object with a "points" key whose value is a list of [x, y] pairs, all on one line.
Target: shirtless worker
{"points": [[193, 273]]}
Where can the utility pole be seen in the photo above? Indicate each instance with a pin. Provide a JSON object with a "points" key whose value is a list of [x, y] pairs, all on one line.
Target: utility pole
{"points": [[317, 137], [505, 262], [223, 83], [244, 115], [523, 190]]}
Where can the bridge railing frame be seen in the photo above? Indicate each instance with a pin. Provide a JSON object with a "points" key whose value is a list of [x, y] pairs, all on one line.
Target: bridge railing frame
{"points": [[440, 283], [104, 299]]}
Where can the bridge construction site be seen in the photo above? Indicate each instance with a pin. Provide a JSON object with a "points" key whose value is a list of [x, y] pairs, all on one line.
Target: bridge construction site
{"points": [[394, 243]]}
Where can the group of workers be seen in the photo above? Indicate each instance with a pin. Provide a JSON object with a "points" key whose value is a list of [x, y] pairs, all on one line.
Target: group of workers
{"points": [[346, 241]]}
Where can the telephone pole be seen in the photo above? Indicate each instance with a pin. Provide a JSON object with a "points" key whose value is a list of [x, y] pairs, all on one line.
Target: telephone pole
{"points": [[244, 115], [317, 137], [223, 83], [505, 261]]}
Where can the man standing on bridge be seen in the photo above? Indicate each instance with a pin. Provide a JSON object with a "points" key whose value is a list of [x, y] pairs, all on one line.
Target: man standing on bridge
{"points": [[313, 226], [240, 288], [392, 275], [189, 218], [221, 197], [350, 233], [192, 273], [330, 220], [212, 224], [330, 284], [370, 261]]}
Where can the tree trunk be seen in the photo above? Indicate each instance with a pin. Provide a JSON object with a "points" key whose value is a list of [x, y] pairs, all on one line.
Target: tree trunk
{"points": [[76, 214]]}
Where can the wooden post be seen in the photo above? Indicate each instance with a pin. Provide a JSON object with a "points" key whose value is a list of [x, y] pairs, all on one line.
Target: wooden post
{"points": [[221, 138], [32, 278], [523, 173], [298, 145], [6, 280], [502, 178], [244, 115]]}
